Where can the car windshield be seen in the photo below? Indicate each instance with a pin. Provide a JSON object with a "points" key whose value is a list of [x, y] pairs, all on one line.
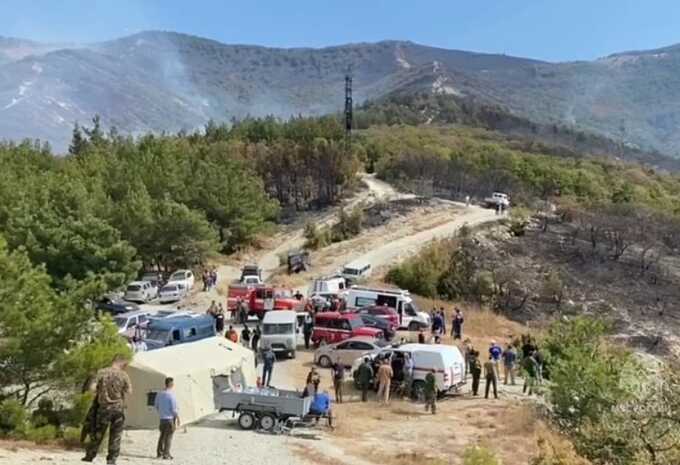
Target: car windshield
{"points": [[133, 287], [411, 308], [169, 289], [350, 271], [177, 276], [120, 322], [277, 328], [355, 323], [158, 335]]}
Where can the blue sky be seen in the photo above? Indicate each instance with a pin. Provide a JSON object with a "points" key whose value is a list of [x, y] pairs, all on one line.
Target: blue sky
{"points": [[554, 30]]}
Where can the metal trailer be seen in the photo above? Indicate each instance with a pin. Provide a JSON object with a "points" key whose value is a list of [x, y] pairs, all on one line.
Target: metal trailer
{"points": [[264, 410]]}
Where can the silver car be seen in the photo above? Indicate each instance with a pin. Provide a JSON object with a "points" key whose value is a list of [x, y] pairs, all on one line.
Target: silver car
{"points": [[140, 291], [347, 351], [172, 292]]}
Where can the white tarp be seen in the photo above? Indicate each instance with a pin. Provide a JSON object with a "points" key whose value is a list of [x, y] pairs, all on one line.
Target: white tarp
{"points": [[193, 366]]}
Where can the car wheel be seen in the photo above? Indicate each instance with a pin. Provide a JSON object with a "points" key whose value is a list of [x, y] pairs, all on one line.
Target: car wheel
{"points": [[292, 354], [325, 362], [413, 326], [267, 422], [246, 420], [418, 390]]}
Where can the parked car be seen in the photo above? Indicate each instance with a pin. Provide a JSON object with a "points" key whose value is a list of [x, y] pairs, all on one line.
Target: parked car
{"points": [[172, 292], [356, 271], [398, 299], [446, 360], [388, 329], [279, 331], [330, 327], [114, 305], [131, 322], [185, 277], [346, 352], [382, 311], [251, 274], [171, 331], [154, 277], [140, 291]]}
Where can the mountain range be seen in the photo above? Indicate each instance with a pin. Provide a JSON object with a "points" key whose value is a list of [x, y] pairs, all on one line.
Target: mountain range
{"points": [[165, 81]]}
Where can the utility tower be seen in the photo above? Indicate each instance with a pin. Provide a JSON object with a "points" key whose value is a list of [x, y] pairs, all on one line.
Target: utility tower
{"points": [[348, 112]]}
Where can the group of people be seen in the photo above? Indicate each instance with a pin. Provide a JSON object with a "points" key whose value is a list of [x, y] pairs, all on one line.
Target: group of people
{"points": [[209, 278], [111, 386], [438, 318], [217, 312], [518, 354]]}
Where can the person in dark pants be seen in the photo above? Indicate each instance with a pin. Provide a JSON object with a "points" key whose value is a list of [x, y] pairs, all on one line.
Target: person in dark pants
{"points": [[112, 385], [491, 379], [338, 371], [457, 325], [365, 377], [430, 392], [475, 371], [166, 406], [307, 328], [268, 360]]}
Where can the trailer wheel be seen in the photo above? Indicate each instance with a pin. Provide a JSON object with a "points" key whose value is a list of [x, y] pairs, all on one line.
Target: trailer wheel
{"points": [[267, 422], [413, 326], [325, 362], [246, 420]]}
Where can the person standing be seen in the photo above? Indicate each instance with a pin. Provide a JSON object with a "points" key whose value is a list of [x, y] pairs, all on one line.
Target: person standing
{"points": [[540, 360], [491, 378], [457, 324], [421, 337], [430, 391], [365, 376], [219, 319], [268, 360], [166, 406], [385, 375], [495, 352], [338, 372], [509, 362], [475, 371], [111, 386], [408, 374], [442, 314], [531, 369], [245, 336], [307, 328], [255, 339]]}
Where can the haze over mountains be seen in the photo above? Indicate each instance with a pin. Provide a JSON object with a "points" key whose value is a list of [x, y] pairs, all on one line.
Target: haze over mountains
{"points": [[155, 81]]}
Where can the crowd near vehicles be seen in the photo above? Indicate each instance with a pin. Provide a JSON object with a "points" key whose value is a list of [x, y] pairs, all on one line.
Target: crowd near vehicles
{"points": [[168, 331], [140, 291], [497, 199], [399, 300], [172, 292], [184, 277], [330, 327], [356, 271], [114, 305], [447, 361], [130, 323], [346, 352], [279, 331]]}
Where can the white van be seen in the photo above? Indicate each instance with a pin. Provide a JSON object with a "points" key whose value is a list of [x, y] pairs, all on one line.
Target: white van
{"points": [[328, 285], [279, 331], [400, 300], [447, 361], [356, 271]]}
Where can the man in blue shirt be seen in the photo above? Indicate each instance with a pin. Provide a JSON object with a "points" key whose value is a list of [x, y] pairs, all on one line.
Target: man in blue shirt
{"points": [[321, 406], [166, 406], [495, 353]]}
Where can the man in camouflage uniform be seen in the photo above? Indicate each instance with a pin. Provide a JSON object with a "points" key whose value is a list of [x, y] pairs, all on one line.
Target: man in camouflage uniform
{"points": [[112, 385]]}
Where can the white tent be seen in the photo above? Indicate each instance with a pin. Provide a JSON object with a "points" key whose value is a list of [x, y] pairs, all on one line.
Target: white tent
{"points": [[193, 366]]}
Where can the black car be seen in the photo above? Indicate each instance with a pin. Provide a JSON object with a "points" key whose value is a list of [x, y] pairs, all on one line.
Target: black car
{"points": [[379, 323], [115, 305]]}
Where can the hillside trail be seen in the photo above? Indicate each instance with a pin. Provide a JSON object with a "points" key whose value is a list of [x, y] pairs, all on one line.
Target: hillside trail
{"points": [[376, 191]]}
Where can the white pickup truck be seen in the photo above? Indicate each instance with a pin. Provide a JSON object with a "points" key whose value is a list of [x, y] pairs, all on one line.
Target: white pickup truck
{"points": [[497, 199]]}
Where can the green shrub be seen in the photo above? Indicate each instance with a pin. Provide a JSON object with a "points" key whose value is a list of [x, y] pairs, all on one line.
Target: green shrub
{"points": [[41, 434], [80, 405], [477, 455], [13, 417]]}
